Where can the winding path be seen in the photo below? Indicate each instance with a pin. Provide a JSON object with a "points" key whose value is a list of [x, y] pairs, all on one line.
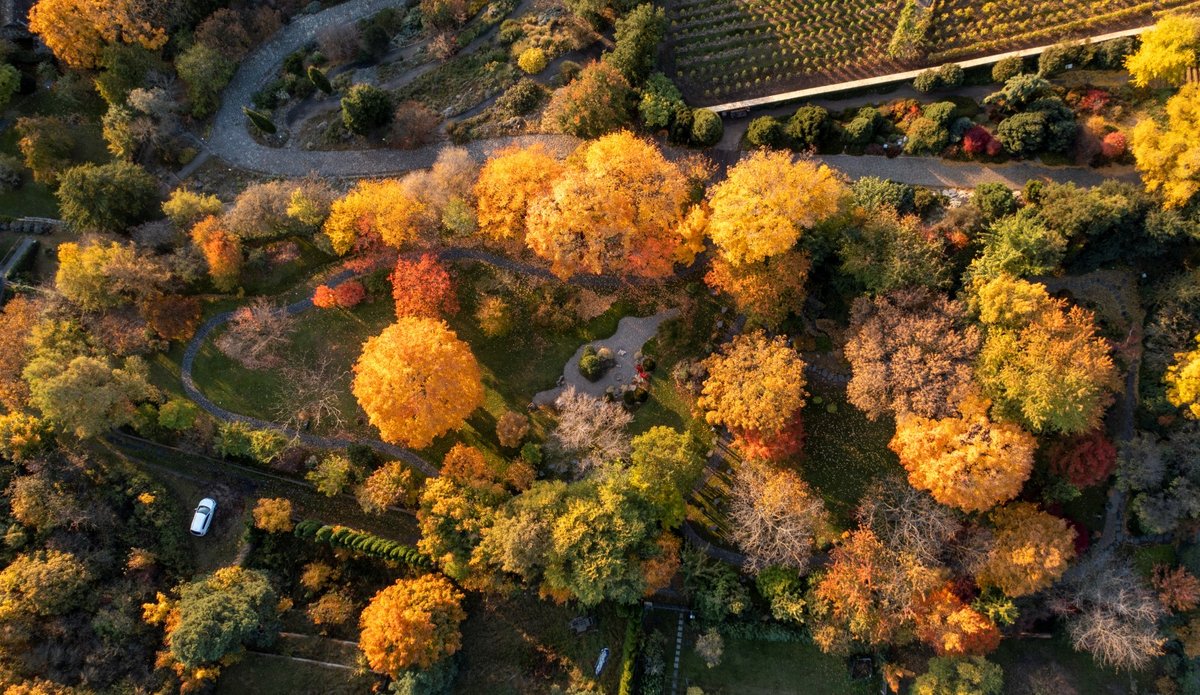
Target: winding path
{"points": [[230, 140]]}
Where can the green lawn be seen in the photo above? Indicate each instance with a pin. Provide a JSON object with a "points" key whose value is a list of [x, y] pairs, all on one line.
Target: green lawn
{"points": [[1029, 663], [843, 451], [271, 675], [768, 668]]}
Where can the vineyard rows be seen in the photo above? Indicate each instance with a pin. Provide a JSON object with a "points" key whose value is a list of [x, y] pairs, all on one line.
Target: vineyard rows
{"points": [[723, 49]]}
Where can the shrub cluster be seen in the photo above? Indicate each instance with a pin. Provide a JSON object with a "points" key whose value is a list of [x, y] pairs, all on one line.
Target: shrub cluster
{"points": [[365, 543]]}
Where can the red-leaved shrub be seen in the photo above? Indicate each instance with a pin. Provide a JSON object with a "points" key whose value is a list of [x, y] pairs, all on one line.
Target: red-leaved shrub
{"points": [[1085, 460]]}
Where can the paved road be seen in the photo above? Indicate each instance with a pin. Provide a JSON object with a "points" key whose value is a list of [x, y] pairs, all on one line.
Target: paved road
{"points": [[231, 141]]}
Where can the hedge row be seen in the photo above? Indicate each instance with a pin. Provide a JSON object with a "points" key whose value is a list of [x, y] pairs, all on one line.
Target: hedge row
{"points": [[629, 653], [365, 543]]}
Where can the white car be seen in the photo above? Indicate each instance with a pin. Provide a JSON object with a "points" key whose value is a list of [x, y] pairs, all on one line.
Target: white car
{"points": [[203, 517]]}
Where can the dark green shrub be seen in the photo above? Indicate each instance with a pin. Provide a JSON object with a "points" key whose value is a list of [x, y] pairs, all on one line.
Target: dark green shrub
{"points": [[1055, 59], [940, 113], [1023, 134], [629, 652], [568, 70], [319, 80], [522, 98], [808, 127], [951, 75], [260, 121], [510, 32], [590, 364], [680, 131], [294, 63], [927, 81], [365, 108], [531, 453], [707, 128], [374, 42], [107, 197], [993, 200], [765, 131], [926, 136], [638, 34], [926, 201], [861, 130], [871, 192], [1111, 54], [1007, 68]]}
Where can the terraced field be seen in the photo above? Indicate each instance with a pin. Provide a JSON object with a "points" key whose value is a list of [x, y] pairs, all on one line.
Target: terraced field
{"points": [[720, 50]]}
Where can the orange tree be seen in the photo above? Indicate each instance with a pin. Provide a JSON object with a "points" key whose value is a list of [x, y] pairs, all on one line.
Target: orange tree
{"points": [[617, 208], [1032, 549], [412, 623], [388, 209], [222, 251], [508, 183], [416, 381], [78, 30], [422, 287]]}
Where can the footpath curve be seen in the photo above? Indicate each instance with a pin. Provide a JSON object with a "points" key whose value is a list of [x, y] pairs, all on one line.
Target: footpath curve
{"points": [[230, 140]]}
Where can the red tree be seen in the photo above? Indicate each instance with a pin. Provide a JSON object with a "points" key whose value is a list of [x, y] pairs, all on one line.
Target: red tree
{"points": [[323, 297], [1113, 145], [1086, 460], [423, 288], [787, 443], [977, 140], [346, 295]]}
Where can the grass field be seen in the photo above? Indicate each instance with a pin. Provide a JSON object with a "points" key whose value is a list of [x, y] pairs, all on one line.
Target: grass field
{"points": [[271, 675], [770, 668], [722, 50]]}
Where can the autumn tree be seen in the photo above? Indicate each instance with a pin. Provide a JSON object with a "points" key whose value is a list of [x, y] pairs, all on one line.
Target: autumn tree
{"points": [[754, 385], [1041, 363], [172, 316], [765, 291], [416, 381], [1166, 51], [869, 594], [966, 460], [596, 102], [77, 30], [1084, 460], [908, 520], [1183, 382], [590, 432], [885, 251], [422, 287], [953, 628], [1032, 549], [222, 252], [256, 334], [334, 608], [89, 396], [616, 208], [776, 518], [347, 294], [273, 515], [97, 276], [185, 208], [42, 584], [910, 351], [511, 429], [46, 144], [973, 675], [1178, 589], [333, 474], [222, 613], [1166, 155], [664, 465], [509, 182], [1162, 477], [1109, 612], [17, 319], [414, 622], [391, 484], [387, 209], [766, 202]]}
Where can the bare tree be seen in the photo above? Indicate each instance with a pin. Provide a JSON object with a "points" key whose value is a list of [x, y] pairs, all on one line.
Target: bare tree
{"points": [[310, 395], [1110, 612], [775, 517], [906, 519], [590, 432], [255, 334]]}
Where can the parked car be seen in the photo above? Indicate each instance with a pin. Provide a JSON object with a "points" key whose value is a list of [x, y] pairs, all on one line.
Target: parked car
{"points": [[203, 517]]}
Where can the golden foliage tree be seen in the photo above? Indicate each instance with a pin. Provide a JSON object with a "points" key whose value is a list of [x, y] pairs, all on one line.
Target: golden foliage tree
{"points": [[1167, 157], [754, 384], [1032, 549], [1042, 363], [1183, 381], [765, 291], [273, 515], [1166, 51], [388, 209], [953, 628], [508, 184], [416, 380], [77, 30], [17, 320], [965, 461], [765, 203], [390, 484], [412, 623], [617, 208], [222, 251]]}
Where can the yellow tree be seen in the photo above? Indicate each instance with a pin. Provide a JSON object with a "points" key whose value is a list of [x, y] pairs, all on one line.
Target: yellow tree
{"points": [[765, 203], [388, 209], [1166, 51], [953, 628], [755, 385], [77, 30], [273, 515], [508, 183], [618, 207], [1183, 382], [1042, 362], [966, 461], [766, 291], [416, 380], [1032, 549], [17, 320], [1169, 158], [412, 623]]}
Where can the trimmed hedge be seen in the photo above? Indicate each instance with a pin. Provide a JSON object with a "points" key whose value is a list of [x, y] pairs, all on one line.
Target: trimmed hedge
{"points": [[629, 654], [365, 543]]}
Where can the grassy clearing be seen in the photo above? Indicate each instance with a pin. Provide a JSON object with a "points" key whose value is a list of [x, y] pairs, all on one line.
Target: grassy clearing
{"points": [[461, 82], [769, 668], [264, 673], [520, 644], [1029, 663]]}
